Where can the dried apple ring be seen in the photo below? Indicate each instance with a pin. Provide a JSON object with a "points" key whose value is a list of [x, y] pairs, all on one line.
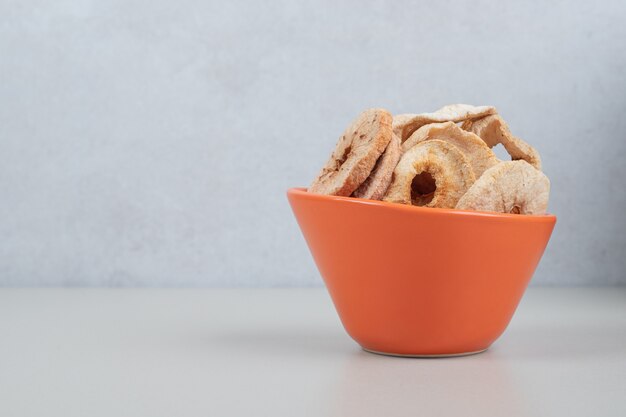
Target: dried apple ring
{"points": [[493, 130], [478, 154], [355, 155], [431, 174], [509, 187], [376, 184], [405, 124]]}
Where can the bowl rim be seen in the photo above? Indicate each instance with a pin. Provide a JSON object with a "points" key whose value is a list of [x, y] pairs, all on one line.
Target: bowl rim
{"points": [[302, 192]]}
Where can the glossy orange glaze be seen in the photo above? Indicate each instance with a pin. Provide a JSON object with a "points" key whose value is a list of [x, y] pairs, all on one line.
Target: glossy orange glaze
{"points": [[411, 280]]}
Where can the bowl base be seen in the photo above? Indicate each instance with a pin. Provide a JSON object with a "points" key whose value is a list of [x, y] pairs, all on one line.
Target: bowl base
{"points": [[436, 355]]}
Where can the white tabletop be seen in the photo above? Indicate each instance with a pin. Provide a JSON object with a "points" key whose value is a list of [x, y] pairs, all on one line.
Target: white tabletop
{"points": [[138, 352]]}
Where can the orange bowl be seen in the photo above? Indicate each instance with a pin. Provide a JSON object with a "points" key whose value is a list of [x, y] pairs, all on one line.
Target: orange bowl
{"points": [[416, 281]]}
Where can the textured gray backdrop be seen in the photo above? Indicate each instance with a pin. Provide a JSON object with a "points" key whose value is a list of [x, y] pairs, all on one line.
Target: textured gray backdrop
{"points": [[150, 143]]}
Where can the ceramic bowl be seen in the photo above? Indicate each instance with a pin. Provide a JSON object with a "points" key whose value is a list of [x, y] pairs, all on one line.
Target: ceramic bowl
{"points": [[417, 281]]}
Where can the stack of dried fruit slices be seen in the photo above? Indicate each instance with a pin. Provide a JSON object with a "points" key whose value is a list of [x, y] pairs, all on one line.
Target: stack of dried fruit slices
{"points": [[430, 160]]}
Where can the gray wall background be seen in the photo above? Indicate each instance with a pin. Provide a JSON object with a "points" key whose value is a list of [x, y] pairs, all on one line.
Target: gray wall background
{"points": [[150, 143]]}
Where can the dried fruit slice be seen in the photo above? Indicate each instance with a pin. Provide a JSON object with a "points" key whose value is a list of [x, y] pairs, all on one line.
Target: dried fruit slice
{"points": [[355, 155], [493, 130], [377, 183], [431, 174], [405, 124], [509, 187], [473, 148]]}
